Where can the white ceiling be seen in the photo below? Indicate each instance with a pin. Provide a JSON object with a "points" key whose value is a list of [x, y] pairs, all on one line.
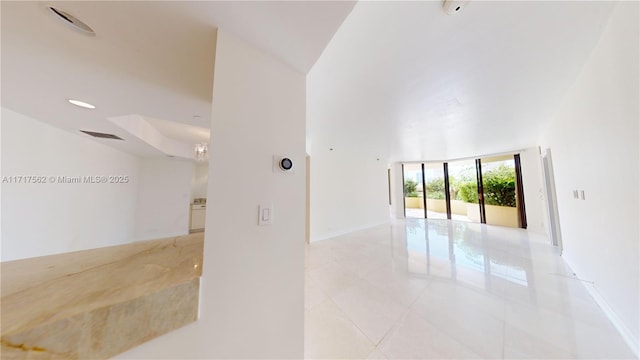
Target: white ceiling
{"points": [[150, 58], [398, 78], [407, 80], [179, 131]]}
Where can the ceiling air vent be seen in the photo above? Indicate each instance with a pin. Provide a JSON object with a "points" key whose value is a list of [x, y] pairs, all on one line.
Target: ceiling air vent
{"points": [[452, 7], [72, 21], [102, 135]]}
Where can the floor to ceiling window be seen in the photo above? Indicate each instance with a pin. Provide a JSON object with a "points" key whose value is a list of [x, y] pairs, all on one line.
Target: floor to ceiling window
{"points": [[499, 191], [464, 191], [414, 203], [486, 190], [435, 191]]}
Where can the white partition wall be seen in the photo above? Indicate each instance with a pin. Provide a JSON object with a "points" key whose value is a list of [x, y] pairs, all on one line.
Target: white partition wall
{"points": [[162, 207], [594, 141], [252, 295], [55, 217]]}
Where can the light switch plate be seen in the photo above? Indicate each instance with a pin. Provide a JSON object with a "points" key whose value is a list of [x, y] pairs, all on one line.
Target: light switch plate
{"points": [[265, 215]]}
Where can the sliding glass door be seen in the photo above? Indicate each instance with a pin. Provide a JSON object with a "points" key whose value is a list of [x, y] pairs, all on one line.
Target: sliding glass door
{"points": [[499, 190], [435, 191], [414, 202], [487, 190], [464, 191]]}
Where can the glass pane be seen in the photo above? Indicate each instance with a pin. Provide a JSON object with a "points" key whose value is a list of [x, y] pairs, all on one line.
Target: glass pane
{"points": [[499, 184], [436, 200], [463, 188], [439, 259], [413, 194]]}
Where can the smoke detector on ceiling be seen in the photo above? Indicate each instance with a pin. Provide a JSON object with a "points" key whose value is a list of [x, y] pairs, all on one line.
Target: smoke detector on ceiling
{"points": [[452, 7]]}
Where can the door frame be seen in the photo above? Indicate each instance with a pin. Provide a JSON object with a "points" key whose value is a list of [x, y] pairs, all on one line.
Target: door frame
{"points": [[522, 213], [551, 200]]}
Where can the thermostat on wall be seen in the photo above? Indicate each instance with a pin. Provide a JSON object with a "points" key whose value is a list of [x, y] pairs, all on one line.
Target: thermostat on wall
{"points": [[283, 164], [286, 164]]}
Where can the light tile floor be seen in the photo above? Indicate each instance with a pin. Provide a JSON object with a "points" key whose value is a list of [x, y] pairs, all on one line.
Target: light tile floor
{"points": [[421, 289], [419, 214]]}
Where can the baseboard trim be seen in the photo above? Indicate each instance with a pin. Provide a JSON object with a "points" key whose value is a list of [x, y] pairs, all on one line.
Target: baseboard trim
{"points": [[332, 234], [617, 322], [615, 319]]}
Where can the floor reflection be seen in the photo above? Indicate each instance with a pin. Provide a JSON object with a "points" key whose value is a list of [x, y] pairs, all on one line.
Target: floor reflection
{"points": [[434, 289], [461, 251]]}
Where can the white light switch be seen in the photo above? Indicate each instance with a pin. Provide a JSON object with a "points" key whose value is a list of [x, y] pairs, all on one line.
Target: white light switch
{"points": [[265, 215]]}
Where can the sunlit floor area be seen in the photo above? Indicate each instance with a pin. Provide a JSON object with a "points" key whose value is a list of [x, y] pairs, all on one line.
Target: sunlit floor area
{"points": [[425, 289], [419, 214]]}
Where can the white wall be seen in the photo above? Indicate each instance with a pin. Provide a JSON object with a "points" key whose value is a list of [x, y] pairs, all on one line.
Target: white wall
{"points": [[531, 167], [397, 191], [252, 297], [255, 274], [349, 190], [164, 190], [1, 187], [44, 219], [200, 180], [594, 140]]}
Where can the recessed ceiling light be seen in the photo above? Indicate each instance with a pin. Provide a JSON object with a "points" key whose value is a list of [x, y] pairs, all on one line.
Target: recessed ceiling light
{"points": [[81, 104]]}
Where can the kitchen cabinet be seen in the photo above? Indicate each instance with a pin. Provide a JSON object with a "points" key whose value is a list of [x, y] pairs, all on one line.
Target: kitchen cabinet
{"points": [[198, 217]]}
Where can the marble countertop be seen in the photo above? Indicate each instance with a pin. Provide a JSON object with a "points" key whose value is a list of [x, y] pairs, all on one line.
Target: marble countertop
{"points": [[41, 291]]}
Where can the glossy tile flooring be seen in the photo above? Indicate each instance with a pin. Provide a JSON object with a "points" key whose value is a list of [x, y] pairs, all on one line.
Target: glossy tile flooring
{"points": [[433, 289]]}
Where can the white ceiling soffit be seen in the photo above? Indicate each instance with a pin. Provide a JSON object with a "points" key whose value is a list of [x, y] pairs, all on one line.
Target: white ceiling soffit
{"points": [[408, 80], [295, 31], [139, 127], [152, 58], [181, 132]]}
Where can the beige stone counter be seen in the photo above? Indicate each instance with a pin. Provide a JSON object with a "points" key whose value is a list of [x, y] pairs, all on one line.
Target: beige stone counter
{"points": [[97, 303]]}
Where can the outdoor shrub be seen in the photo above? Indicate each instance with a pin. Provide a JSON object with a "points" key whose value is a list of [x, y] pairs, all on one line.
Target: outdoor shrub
{"points": [[435, 189], [468, 192], [410, 187], [500, 186]]}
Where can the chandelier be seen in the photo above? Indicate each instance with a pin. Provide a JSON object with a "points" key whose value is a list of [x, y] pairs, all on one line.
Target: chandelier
{"points": [[202, 152]]}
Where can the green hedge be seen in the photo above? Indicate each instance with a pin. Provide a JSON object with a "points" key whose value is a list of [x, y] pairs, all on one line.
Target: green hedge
{"points": [[467, 191], [499, 187], [435, 189]]}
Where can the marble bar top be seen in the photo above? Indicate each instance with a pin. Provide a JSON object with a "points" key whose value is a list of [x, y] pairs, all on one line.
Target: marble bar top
{"points": [[38, 292]]}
